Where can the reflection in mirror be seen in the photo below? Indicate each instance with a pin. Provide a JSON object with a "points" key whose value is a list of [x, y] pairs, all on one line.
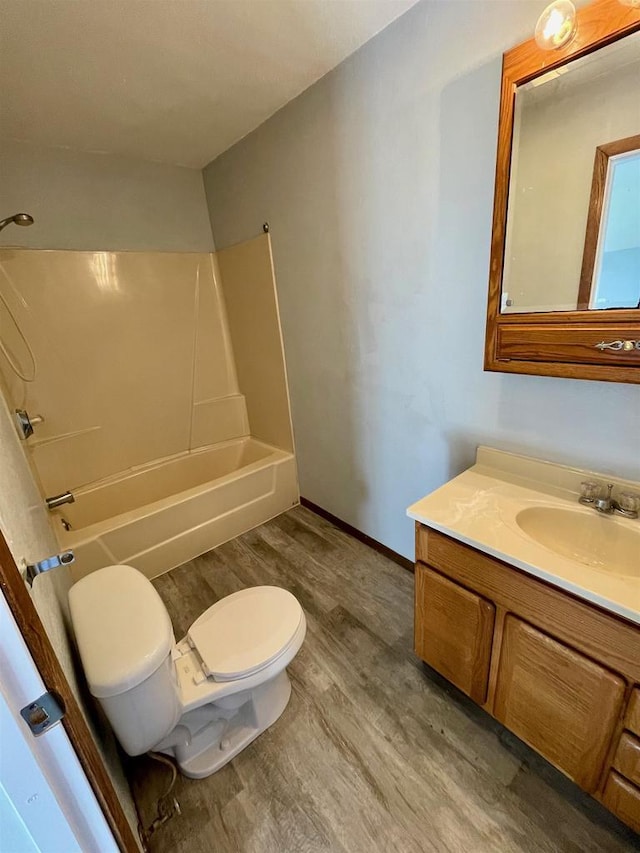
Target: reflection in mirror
{"points": [[611, 264], [561, 120]]}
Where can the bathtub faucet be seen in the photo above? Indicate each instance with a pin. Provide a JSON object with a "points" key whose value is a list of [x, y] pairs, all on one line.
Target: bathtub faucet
{"points": [[58, 500]]}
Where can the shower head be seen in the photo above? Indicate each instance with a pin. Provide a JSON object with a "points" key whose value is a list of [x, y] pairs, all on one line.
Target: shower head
{"points": [[17, 219]]}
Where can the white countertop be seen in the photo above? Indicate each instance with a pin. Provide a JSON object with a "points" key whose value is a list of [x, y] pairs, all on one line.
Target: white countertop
{"points": [[479, 508]]}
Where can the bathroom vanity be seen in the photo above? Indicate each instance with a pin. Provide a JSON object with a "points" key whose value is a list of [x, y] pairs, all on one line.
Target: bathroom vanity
{"points": [[544, 637]]}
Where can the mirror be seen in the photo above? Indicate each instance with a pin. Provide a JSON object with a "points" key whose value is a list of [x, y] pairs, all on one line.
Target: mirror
{"points": [[564, 281], [587, 109]]}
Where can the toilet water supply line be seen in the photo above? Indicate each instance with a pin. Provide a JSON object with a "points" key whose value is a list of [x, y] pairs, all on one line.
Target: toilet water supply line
{"points": [[166, 808]]}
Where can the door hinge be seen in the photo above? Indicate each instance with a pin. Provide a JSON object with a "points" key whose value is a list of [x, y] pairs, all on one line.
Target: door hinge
{"points": [[43, 714]]}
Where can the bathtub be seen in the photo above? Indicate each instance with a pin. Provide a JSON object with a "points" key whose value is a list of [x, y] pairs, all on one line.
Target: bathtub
{"points": [[162, 514]]}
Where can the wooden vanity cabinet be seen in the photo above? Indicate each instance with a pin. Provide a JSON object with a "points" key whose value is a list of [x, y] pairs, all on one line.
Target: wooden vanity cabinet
{"points": [[561, 674]]}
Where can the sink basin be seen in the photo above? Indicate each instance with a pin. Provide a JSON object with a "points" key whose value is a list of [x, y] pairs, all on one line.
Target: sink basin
{"points": [[595, 540]]}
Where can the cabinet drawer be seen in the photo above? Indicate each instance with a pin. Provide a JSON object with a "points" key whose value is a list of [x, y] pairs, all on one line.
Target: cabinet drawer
{"points": [[559, 702], [453, 631], [627, 760], [632, 720], [623, 799], [566, 343]]}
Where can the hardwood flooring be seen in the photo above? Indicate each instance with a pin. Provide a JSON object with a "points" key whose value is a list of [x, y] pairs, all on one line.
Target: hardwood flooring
{"points": [[375, 752]]}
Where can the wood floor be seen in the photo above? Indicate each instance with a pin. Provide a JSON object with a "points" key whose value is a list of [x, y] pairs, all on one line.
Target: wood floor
{"points": [[374, 752]]}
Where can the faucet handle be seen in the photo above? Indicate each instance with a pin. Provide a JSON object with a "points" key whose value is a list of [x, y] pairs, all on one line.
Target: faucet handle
{"points": [[589, 490], [27, 422], [629, 504]]}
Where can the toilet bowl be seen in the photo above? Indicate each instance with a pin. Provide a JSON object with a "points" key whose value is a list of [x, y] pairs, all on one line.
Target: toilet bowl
{"points": [[200, 700]]}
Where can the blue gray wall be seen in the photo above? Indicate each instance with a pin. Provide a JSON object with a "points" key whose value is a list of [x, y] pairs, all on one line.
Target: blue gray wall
{"points": [[88, 200], [378, 185]]}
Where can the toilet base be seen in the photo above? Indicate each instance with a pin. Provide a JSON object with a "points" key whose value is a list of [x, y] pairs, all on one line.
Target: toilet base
{"points": [[231, 730]]}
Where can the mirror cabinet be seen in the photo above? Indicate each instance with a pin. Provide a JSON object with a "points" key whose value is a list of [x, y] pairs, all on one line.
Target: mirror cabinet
{"points": [[564, 280]]}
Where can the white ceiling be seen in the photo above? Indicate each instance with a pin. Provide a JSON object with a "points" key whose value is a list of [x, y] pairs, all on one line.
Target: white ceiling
{"points": [[176, 81]]}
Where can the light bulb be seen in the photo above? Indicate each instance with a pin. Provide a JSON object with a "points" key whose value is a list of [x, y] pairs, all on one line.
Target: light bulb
{"points": [[556, 25]]}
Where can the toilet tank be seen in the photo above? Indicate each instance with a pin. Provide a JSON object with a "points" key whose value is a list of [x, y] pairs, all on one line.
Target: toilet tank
{"points": [[125, 637]]}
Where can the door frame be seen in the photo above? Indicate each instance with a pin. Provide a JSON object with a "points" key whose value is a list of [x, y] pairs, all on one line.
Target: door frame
{"points": [[52, 674]]}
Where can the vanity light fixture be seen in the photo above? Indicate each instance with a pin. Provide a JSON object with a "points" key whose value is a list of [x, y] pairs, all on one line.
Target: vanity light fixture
{"points": [[557, 25]]}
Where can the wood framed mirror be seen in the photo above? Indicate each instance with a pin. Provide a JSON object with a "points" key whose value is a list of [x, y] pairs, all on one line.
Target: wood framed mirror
{"points": [[564, 279]]}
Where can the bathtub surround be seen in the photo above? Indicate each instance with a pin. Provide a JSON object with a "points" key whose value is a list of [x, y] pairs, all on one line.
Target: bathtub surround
{"points": [[145, 419], [133, 359], [93, 200], [254, 324], [378, 186]]}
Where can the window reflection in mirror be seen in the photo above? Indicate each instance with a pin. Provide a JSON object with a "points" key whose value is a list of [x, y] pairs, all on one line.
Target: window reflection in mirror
{"points": [[567, 248], [611, 263]]}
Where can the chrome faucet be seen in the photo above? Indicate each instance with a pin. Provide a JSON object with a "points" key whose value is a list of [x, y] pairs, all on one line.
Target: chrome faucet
{"points": [[605, 504], [627, 506], [59, 500]]}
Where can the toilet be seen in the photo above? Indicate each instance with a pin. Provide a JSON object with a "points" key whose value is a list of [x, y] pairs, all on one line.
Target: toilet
{"points": [[201, 700]]}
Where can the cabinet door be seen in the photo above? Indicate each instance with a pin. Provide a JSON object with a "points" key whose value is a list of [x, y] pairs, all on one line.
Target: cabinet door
{"points": [[558, 701], [453, 631]]}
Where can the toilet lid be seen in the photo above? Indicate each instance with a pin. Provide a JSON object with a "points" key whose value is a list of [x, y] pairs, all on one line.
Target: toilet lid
{"points": [[245, 631]]}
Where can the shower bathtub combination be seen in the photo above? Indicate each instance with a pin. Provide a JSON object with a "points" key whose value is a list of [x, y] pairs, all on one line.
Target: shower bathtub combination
{"points": [[165, 429]]}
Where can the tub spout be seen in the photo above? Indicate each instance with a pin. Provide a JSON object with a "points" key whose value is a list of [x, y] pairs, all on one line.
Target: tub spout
{"points": [[59, 500]]}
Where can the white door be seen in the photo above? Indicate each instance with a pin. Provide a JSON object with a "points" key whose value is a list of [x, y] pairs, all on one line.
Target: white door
{"points": [[46, 802]]}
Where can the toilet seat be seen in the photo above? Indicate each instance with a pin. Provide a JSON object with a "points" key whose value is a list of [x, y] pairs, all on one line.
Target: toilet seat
{"points": [[245, 632]]}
